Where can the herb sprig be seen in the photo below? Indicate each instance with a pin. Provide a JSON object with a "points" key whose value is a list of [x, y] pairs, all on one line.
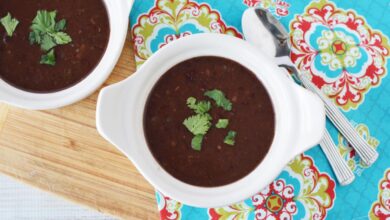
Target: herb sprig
{"points": [[48, 58], [230, 138], [9, 24], [198, 124], [47, 33], [196, 142], [220, 99], [199, 107]]}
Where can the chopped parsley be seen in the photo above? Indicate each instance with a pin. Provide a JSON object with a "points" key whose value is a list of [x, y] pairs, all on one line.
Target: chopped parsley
{"points": [[220, 99], [196, 142], [200, 107], [47, 33], [9, 24], [229, 139], [222, 123], [198, 124]]}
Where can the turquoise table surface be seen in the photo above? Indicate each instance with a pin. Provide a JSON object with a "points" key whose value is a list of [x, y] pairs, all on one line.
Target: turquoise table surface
{"points": [[343, 46]]}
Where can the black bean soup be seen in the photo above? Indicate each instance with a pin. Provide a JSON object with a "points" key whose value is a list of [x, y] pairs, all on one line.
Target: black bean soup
{"points": [[87, 24], [251, 118]]}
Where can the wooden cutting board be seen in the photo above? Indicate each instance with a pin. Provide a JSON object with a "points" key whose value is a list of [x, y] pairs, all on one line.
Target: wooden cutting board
{"points": [[60, 151]]}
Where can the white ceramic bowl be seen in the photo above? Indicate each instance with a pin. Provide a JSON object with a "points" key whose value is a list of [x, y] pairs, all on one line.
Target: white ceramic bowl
{"points": [[300, 118], [118, 12]]}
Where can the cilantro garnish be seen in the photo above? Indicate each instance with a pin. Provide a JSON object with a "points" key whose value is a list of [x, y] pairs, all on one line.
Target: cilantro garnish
{"points": [[200, 107], [229, 139], [60, 26], [61, 38], [219, 97], [9, 24], [49, 58], [47, 43], [196, 142], [48, 33], [198, 124], [222, 123]]}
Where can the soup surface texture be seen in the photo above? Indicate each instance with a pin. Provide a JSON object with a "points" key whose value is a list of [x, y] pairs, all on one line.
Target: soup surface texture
{"points": [[87, 24], [251, 117]]}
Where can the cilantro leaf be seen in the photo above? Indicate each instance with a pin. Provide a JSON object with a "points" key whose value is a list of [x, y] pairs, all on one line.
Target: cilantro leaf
{"points": [[47, 43], [9, 24], [203, 107], [208, 116], [222, 123], [229, 139], [198, 124], [196, 142], [219, 97], [34, 37], [191, 102], [48, 33], [60, 26], [61, 38], [49, 58], [200, 107], [44, 21]]}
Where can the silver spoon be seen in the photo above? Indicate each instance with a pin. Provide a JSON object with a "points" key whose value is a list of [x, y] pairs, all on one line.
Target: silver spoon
{"points": [[267, 34]]}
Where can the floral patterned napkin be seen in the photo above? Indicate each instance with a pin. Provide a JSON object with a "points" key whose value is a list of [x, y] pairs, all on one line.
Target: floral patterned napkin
{"points": [[344, 46]]}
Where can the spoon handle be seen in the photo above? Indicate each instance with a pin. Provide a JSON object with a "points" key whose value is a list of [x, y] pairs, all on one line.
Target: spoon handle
{"points": [[341, 169], [363, 149]]}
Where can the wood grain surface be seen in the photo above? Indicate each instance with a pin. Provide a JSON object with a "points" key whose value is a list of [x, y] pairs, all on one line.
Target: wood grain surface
{"points": [[60, 151]]}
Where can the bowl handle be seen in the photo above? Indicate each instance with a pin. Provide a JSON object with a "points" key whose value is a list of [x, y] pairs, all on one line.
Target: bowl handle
{"points": [[311, 118], [108, 117]]}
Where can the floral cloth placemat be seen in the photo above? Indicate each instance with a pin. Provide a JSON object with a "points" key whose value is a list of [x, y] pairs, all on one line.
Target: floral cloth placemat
{"points": [[344, 46]]}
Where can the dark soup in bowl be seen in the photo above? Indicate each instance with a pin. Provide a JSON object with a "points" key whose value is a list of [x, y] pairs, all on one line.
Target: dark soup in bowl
{"points": [[209, 121], [48, 46]]}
